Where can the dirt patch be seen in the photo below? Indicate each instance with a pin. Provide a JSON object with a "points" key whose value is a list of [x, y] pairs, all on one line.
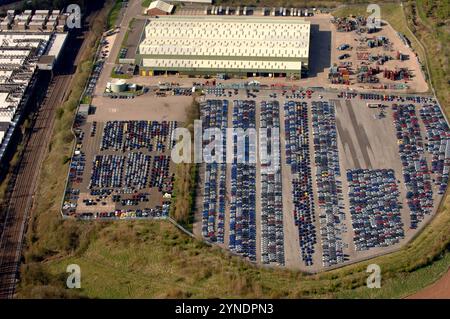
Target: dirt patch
{"points": [[438, 290]]}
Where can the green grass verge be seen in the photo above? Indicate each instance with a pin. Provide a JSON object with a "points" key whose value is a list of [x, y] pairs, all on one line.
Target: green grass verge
{"points": [[153, 259], [185, 190], [113, 14], [120, 76], [86, 99], [431, 27]]}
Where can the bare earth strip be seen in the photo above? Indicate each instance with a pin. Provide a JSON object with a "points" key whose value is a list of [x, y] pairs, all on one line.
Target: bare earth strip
{"points": [[439, 290]]}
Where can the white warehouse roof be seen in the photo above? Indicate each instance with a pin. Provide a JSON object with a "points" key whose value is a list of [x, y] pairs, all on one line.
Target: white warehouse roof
{"points": [[161, 5], [181, 41]]}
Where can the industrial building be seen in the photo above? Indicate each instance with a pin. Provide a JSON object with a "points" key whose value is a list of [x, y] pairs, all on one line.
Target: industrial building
{"points": [[22, 54], [158, 7], [225, 45], [41, 20]]}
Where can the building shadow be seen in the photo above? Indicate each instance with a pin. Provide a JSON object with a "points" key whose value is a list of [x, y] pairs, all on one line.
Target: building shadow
{"points": [[319, 50]]}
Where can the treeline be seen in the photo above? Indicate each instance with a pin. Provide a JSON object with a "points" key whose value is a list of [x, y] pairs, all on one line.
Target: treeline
{"points": [[185, 186]]}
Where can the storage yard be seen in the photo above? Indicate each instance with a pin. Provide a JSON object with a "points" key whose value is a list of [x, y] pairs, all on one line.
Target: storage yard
{"points": [[121, 167], [228, 45], [352, 183], [354, 174], [373, 57]]}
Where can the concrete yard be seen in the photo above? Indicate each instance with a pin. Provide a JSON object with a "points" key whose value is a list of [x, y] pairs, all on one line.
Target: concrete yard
{"points": [[416, 84], [145, 107]]}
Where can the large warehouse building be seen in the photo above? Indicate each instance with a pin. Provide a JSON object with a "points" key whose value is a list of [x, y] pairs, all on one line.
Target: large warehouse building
{"points": [[213, 46]]}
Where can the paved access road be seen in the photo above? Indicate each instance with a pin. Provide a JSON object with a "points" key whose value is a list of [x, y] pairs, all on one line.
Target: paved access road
{"points": [[133, 10]]}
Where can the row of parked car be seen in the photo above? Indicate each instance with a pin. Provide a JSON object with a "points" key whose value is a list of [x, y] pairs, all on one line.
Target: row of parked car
{"points": [[136, 135], [112, 136], [182, 91], [393, 98], [374, 207], [242, 238], [329, 188], [98, 67], [123, 53], [214, 113], [137, 170], [159, 211], [77, 166], [438, 144], [216, 90], [415, 168], [272, 231], [160, 175], [298, 159], [107, 171]]}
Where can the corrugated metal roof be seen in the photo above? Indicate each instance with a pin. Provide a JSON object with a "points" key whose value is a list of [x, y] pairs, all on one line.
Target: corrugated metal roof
{"points": [[223, 64], [219, 41]]}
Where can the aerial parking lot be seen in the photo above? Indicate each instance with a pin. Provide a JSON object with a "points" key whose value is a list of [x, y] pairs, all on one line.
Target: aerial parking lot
{"points": [[121, 166], [357, 177], [121, 169]]}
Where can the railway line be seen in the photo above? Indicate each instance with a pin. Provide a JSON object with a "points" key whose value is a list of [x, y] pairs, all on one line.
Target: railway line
{"points": [[21, 200], [19, 206]]}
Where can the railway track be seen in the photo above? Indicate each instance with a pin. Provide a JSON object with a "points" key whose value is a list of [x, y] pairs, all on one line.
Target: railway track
{"points": [[21, 200], [15, 221]]}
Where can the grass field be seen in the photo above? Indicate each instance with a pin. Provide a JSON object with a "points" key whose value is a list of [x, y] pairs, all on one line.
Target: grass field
{"points": [[113, 14], [155, 259], [430, 25], [120, 76]]}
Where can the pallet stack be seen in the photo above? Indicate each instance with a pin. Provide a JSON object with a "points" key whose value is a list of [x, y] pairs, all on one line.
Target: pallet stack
{"points": [[397, 74], [339, 75], [361, 55], [379, 59], [367, 74], [402, 57], [344, 24]]}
